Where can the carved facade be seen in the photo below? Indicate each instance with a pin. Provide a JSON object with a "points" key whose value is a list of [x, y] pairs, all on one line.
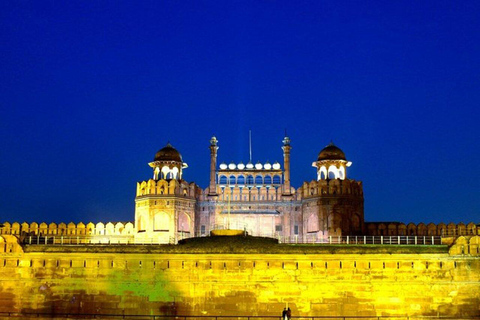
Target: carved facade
{"points": [[256, 198]]}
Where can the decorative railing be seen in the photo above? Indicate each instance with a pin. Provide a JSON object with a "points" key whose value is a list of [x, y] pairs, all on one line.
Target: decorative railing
{"points": [[366, 240], [331, 240]]}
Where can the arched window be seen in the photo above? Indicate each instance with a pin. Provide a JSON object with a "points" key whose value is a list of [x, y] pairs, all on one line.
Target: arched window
{"points": [[331, 175], [277, 179], [222, 180], [232, 180], [250, 180], [332, 172], [241, 180], [322, 175], [268, 180], [258, 180]]}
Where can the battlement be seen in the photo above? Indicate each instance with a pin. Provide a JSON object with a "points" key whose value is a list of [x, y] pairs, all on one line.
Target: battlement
{"points": [[164, 187], [421, 229], [331, 187], [71, 229]]}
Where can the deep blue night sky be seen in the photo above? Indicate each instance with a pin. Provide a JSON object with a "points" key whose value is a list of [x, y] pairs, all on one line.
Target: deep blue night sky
{"points": [[90, 90]]}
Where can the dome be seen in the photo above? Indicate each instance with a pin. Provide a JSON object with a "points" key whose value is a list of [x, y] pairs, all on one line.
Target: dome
{"points": [[223, 166], [331, 152], [168, 153]]}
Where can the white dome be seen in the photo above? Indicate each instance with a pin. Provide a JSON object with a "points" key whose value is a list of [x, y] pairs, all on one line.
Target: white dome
{"points": [[276, 166], [267, 166], [241, 166], [232, 166], [223, 166], [249, 165], [258, 166]]}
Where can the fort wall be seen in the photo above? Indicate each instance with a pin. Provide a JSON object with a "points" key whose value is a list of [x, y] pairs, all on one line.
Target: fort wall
{"points": [[128, 229], [336, 280]]}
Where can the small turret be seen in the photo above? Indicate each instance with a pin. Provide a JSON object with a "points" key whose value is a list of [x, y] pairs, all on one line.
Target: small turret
{"points": [[331, 163], [168, 164]]}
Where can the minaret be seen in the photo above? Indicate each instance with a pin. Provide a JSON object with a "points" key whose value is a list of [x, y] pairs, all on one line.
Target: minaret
{"points": [[286, 165], [213, 166]]}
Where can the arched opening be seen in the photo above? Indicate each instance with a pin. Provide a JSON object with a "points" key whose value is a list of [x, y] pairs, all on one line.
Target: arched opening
{"points": [[277, 179], [232, 180], [332, 172], [222, 180], [165, 171], [174, 172], [322, 174], [249, 179], [169, 174], [258, 180], [268, 180], [341, 173], [241, 180]]}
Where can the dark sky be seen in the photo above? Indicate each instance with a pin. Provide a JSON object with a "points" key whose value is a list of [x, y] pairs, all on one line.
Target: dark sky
{"points": [[90, 90]]}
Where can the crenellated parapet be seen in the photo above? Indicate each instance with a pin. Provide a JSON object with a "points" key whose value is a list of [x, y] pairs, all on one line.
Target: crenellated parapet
{"points": [[334, 187], [164, 187], [70, 229], [422, 229], [466, 245]]}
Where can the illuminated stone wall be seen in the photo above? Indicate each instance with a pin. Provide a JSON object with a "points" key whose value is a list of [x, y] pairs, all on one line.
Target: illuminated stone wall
{"points": [[338, 280], [127, 229]]}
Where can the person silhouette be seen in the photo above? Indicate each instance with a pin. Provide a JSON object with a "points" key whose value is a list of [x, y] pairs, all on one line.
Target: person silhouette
{"points": [[284, 314]]}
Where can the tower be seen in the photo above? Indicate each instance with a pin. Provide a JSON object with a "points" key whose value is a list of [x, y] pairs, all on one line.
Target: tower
{"points": [[333, 204], [331, 163], [165, 205], [167, 164]]}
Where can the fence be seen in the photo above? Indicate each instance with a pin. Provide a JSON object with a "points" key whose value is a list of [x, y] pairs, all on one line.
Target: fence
{"points": [[357, 240], [331, 240]]}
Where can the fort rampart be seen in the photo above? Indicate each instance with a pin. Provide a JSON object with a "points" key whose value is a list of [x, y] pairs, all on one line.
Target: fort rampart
{"points": [[128, 229], [230, 279]]}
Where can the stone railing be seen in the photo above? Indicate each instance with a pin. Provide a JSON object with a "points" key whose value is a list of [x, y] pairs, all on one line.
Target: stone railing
{"points": [[332, 240], [368, 240]]}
